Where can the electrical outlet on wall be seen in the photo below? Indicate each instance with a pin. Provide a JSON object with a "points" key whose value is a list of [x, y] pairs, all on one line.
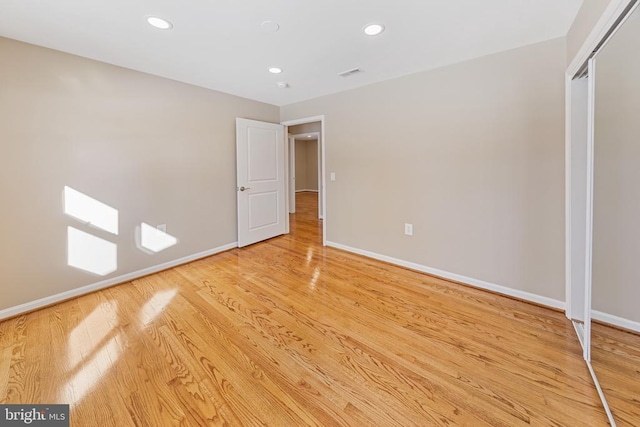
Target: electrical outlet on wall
{"points": [[408, 229]]}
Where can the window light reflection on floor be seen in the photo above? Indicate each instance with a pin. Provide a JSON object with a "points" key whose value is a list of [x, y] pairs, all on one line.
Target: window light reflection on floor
{"points": [[94, 347], [156, 305], [93, 371], [314, 279], [90, 333]]}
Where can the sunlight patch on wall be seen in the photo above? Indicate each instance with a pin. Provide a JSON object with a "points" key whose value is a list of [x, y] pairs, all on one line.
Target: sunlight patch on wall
{"points": [[91, 253], [90, 210], [155, 240]]}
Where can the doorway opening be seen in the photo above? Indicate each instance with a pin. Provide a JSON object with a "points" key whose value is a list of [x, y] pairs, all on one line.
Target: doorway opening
{"points": [[306, 165]]}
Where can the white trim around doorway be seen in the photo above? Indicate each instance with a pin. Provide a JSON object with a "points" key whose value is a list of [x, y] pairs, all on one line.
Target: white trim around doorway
{"points": [[322, 171]]}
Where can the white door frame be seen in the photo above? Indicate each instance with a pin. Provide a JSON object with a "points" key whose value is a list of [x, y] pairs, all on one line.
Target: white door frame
{"points": [[588, 245], [291, 175], [321, 171], [604, 29], [596, 39], [606, 26], [292, 165]]}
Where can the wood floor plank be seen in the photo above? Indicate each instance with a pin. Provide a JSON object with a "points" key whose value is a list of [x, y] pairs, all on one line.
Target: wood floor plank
{"points": [[389, 333], [6, 356], [274, 335], [287, 332], [146, 380], [615, 356], [21, 379], [293, 341]]}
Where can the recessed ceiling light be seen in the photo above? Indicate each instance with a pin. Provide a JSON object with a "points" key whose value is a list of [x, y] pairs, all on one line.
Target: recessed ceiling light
{"points": [[308, 136], [160, 23], [275, 70], [270, 26], [373, 29], [282, 85]]}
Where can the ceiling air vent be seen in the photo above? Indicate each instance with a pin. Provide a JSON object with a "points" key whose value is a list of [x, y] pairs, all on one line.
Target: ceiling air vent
{"points": [[350, 72]]}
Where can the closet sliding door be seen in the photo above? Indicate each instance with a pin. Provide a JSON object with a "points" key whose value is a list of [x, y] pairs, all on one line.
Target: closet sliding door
{"points": [[615, 269]]}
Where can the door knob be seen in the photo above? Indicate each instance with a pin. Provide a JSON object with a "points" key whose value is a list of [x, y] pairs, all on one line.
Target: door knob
{"points": [[245, 188]]}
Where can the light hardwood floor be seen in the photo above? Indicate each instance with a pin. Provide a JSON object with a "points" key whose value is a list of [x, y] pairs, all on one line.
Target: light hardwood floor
{"points": [[287, 333], [615, 357]]}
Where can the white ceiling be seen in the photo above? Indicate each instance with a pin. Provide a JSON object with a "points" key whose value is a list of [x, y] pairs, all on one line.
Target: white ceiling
{"points": [[219, 44]]}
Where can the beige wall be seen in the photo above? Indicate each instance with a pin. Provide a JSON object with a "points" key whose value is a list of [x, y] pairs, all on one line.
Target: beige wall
{"points": [[157, 150], [616, 210], [306, 165], [301, 165], [472, 154], [305, 128], [587, 17], [312, 165]]}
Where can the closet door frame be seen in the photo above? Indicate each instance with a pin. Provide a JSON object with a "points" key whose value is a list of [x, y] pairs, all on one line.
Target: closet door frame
{"points": [[612, 19]]}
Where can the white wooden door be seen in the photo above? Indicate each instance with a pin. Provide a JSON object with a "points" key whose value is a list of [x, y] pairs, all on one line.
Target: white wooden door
{"points": [[261, 181]]}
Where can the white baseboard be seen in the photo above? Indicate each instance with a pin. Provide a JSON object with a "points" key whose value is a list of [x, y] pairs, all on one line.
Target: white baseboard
{"points": [[310, 191], [610, 319], [63, 296], [538, 299]]}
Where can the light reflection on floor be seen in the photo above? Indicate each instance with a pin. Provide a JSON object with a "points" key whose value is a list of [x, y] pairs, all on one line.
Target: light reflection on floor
{"points": [[156, 305], [95, 345], [80, 344], [92, 371], [314, 279]]}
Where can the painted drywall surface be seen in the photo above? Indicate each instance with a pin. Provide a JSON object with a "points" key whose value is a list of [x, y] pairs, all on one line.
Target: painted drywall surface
{"points": [[306, 165], [301, 165], [587, 17], [158, 151], [471, 154], [305, 128], [311, 176], [616, 209], [312, 165]]}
